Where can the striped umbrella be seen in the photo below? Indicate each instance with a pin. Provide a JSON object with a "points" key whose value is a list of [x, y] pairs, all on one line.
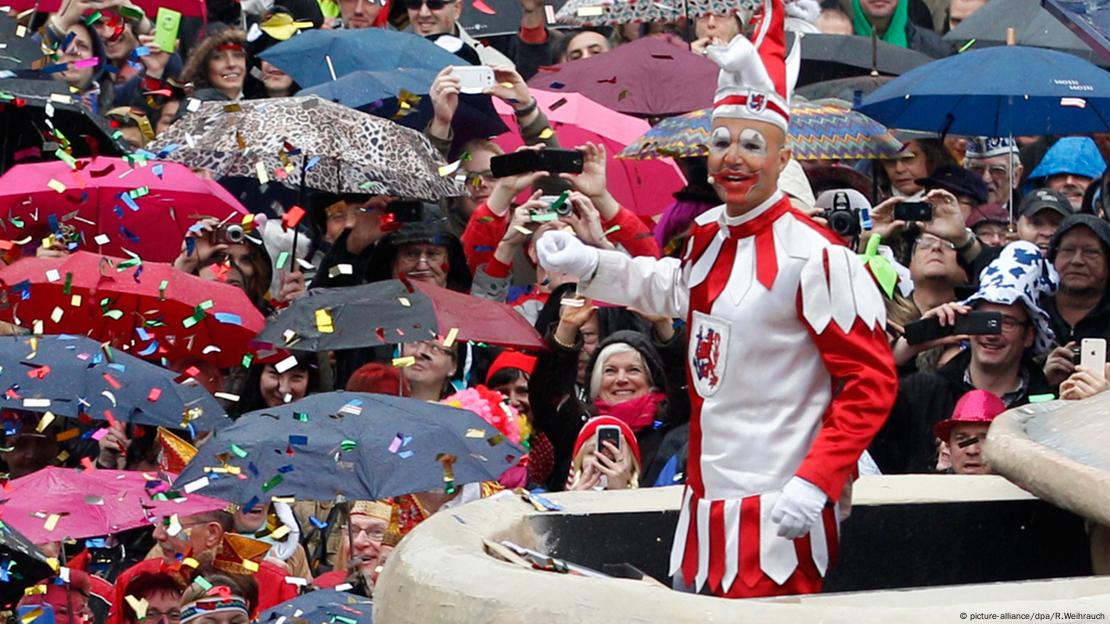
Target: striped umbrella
{"points": [[822, 130]]}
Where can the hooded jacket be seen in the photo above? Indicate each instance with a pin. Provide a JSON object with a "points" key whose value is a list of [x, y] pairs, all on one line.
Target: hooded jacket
{"points": [[1097, 322]]}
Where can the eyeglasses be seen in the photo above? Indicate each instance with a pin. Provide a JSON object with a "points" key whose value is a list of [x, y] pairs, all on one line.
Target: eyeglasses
{"points": [[1010, 323], [929, 244], [1086, 253], [433, 5], [996, 171], [154, 616], [375, 533], [432, 255]]}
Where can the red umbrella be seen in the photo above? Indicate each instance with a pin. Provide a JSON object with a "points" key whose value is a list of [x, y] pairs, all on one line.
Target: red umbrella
{"points": [[53, 504], [629, 78], [114, 206], [147, 308]]}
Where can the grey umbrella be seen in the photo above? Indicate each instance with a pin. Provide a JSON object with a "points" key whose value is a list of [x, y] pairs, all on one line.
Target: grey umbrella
{"points": [[1033, 26]]}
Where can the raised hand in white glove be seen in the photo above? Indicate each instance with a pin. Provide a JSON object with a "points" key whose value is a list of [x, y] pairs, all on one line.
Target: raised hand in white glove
{"points": [[563, 252], [798, 508]]}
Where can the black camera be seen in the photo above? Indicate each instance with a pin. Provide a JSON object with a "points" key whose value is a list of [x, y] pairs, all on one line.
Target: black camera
{"points": [[842, 218]]}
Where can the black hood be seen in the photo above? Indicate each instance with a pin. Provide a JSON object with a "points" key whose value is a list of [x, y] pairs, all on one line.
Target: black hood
{"points": [[1099, 226], [434, 231]]}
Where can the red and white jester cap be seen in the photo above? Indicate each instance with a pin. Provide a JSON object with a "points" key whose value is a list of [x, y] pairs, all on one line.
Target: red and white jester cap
{"points": [[757, 77]]}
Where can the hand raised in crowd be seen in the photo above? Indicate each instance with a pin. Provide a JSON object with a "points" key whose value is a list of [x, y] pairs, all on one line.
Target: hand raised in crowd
{"points": [[364, 223], [1084, 384], [948, 220], [445, 101], [508, 187], [586, 221], [52, 248], [520, 223], [71, 11], [155, 62], [883, 222], [1059, 365], [113, 448], [662, 325], [615, 464], [201, 248], [589, 480], [292, 285], [571, 319], [592, 180], [510, 87], [946, 314]]}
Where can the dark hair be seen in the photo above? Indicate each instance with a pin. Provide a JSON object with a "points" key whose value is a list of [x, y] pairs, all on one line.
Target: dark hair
{"points": [[506, 376], [196, 67], [563, 44], [250, 392], [936, 155], [147, 584]]}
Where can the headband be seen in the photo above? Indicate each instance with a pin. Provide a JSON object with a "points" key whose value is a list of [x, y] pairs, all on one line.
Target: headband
{"points": [[208, 606]]}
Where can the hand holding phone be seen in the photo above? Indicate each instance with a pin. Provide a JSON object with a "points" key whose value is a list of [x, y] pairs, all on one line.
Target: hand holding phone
{"points": [[473, 79], [972, 323], [551, 160], [913, 211], [166, 26], [610, 434], [1092, 356]]}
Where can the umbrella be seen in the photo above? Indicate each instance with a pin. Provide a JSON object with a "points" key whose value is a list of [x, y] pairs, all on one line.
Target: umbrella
{"points": [[818, 131], [17, 53], [22, 564], [391, 312], [339, 149], [323, 606], [115, 206], [1091, 23], [481, 18], [54, 504], [76, 377], [318, 56], [188, 8], [351, 444], [148, 308], [1033, 26], [827, 57], [979, 93], [615, 12], [628, 78], [39, 116], [643, 187], [377, 93], [847, 89]]}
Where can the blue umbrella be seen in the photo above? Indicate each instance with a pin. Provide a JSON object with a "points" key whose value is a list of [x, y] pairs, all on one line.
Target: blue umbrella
{"points": [[1003, 91], [323, 606], [362, 88], [307, 57]]}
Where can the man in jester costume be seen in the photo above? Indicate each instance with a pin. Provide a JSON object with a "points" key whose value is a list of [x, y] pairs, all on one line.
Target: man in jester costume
{"points": [[789, 368]]}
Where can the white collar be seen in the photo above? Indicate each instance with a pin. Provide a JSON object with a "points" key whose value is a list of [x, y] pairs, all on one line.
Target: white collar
{"points": [[728, 221]]}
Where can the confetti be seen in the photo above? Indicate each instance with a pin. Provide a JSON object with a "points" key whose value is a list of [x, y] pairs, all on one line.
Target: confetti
{"points": [[193, 486], [549, 13], [45, 419], [292, 217], [324, 322], [449, 341], [51, 522], [138, 605], [395, 445], [280, 532], [475, 433], [250, 565], [154, 395], [56, 186], [260, 172], [404, 362], [286, 364]]}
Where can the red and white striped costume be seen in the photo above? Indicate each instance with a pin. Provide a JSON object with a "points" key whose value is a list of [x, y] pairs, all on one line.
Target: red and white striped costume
{"points": [[790, 375]]}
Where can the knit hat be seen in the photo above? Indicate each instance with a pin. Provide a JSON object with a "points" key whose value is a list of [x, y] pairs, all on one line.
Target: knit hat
{"points": [[977, 406], [755, 82], [1020, 274], [511, 359]]}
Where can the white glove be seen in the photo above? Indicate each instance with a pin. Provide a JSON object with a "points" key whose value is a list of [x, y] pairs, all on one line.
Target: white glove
{"points": [[798, 508], [562, 252], [284, 549]]}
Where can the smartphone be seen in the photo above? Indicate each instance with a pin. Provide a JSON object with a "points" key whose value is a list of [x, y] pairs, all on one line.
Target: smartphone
{"points": [[473, 78], [913, 211], [406, 210], [1092, 356], [553, 160], [608, 433], [972, 323], [165, 29]]}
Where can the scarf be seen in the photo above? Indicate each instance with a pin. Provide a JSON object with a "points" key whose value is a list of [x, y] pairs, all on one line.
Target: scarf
{"points": [[638, 413], [895, 31]]}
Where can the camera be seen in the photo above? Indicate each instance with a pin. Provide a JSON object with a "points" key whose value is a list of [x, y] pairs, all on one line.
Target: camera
{"points": [[553, 205], [842, 218], [228, 234]]}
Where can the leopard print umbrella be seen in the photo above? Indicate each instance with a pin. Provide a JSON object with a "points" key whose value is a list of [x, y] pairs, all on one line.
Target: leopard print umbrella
{"points": [[340, 150]]}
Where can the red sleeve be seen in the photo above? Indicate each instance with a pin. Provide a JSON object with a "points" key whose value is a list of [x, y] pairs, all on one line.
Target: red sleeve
{"points": [[633, 235], [482, 234], [272, 588]]}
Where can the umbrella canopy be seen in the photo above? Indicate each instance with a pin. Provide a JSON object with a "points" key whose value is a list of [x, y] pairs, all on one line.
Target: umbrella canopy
{"points": [[351, 444], [643, 187], [78, 377], [359, 89], [1033, 25], [614, 12], [148, 308], [340, 149], [818, 131], [18, 53], [188, 8], [22, 562], [847, 89], [308, 56], [628, 78], [337, 318], [54, 504], [145, 210], [979, 93], [1091, 23], [38, 116], [830, 57], [323, 606]]}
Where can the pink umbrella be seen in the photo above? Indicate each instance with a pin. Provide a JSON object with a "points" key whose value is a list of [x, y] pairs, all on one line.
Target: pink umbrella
{"points": [[53, 504], [645, 187], [114, 206], [188, 8]]}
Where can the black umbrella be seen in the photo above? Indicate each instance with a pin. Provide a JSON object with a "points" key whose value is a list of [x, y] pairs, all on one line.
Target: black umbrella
{"points": [[842, 88], [323, 606], [30, 112], [1033, 26], [392, 312], [78, 377], [22, 565], [17, 53], [352, 444], [827, 57], [489, 18]]}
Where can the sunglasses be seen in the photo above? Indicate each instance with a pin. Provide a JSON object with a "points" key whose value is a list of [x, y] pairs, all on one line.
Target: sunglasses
{"points": [[433, 5]]}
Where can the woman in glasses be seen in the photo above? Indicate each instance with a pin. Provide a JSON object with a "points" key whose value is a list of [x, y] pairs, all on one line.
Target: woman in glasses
{"points": [[162, 593]]}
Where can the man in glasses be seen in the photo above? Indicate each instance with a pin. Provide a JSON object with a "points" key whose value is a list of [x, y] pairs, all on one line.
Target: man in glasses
{"points": [[991, 160], [434, 18], [1000, 363]]}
